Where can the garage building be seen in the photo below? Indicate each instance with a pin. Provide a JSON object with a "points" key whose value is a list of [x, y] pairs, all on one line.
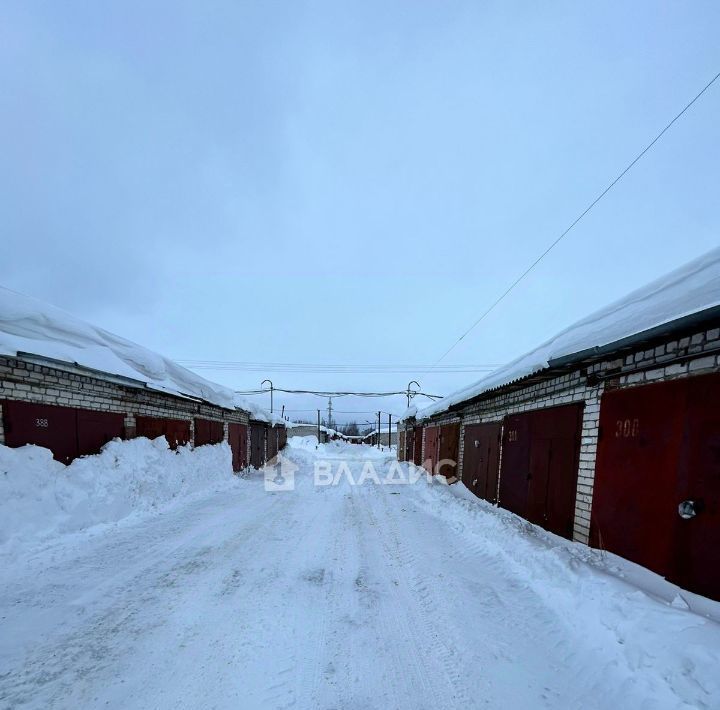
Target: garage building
{"points": [[71, 387], [608, 433]]}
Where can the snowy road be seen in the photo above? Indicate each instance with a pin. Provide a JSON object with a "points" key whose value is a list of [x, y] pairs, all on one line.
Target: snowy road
{"points": [[340, 597]]}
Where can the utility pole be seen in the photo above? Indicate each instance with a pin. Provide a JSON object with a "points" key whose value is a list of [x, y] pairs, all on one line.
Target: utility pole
{"points": [[330, 421], [389, 429], [409, 396], [271, 393], [318, 411], [282, 414], [379, 427]]}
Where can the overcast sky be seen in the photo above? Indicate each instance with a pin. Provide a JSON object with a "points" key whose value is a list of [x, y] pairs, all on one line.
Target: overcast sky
{"points": [[350, 183]]}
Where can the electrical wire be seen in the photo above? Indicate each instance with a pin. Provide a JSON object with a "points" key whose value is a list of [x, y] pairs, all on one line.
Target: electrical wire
{"points": [[575, 221], [338, 394], [231, 365]]}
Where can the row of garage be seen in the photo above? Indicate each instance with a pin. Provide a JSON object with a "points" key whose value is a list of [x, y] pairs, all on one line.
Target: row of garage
{"points": [[540, 451], [71, 387], [615, 444], [655, 498], [70, 432]]}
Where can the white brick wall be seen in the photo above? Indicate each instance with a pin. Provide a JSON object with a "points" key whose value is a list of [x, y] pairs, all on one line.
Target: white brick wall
{"points": [[44, 384]]}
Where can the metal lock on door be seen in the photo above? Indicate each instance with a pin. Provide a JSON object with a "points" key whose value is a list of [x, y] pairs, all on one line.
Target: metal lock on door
{"points": [[689, 509]]}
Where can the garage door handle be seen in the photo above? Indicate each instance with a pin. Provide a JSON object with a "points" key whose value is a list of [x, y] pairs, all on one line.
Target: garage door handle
{"points": [[688, 509]]}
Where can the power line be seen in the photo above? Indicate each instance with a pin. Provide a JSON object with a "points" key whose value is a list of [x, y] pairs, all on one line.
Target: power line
{"points": [[343, 411], [230, 365], [575, 221], [337, 394]]}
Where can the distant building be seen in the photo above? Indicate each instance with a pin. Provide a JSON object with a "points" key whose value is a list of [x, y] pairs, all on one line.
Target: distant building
{"points": [[385, 439]]}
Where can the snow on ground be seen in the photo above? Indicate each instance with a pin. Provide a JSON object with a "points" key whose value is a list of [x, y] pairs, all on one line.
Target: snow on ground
{"points": [[341, 596], [41, 498]]}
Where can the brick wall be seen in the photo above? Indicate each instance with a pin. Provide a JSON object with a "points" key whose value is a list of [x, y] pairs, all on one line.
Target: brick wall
{"points": [[32, 381], [695, 354]]}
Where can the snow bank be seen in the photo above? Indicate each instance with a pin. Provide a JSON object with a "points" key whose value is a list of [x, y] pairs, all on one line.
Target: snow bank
{"points": [[690, 289], [656, 634], [40, 497], [335, 449], [306, 443]]}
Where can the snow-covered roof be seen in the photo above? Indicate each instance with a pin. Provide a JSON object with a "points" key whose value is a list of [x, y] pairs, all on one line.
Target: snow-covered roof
{"points": [[383, 430], [692, 288], [258, 413], [30, 326], [292, 425]]}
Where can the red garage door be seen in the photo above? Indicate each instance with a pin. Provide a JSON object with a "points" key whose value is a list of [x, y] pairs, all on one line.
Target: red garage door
{"points": [[481, 459], [66, 431], [401, 446], [95, 429], [659, 447], [54, 428], [430, 455], [515, 464], [272, 443], [257, 444], [409, 444], [448, 449], [539, 466], [176, 431], [417, 445], [208, 432], [237, 438]]}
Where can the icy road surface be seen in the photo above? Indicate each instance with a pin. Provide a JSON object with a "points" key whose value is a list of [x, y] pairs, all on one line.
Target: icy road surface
{"points": [[342, 596]]}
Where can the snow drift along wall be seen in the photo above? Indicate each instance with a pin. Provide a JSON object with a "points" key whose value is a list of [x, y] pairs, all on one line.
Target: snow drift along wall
{"points": [[40, 497]]}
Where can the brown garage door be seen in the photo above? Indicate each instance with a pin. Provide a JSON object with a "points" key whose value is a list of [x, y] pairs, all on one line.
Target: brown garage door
{"points": [[659, 446], [481, 459], [554, 458], [208, 431], [417, 445], [430, 454], [515, 469], [282, 438], [176, 431], [448, 446], [401, 446], [539, 466], [95, 429], [272, 442], [66, 431], [257, 444], [237, 438], [409, 444], [54, 428]]}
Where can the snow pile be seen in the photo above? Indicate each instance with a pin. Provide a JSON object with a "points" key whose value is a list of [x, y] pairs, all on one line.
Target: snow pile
{"points": [[40, 497], [306, 443], [334, 449], [257, 412], [644, 627], [690, 289]]}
